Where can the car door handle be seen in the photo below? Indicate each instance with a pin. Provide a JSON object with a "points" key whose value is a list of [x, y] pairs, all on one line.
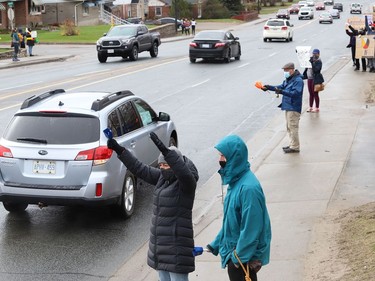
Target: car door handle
{"points": [[132, 144]]}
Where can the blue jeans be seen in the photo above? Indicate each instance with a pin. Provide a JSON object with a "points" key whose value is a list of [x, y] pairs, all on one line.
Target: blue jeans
{"points": [[171, 276]]}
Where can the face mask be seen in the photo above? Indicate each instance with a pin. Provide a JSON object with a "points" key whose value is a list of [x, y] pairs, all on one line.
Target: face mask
{"points": [[286, 74], [167, 174], [222, 163]]}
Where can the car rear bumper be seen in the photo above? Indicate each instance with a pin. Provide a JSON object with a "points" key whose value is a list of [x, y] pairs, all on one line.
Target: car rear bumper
{"points": [[58, 201], [207, 53]]}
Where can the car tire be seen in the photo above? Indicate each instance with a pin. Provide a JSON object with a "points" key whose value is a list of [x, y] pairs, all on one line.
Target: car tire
{"points": [[299, 18], [172, 141], [264, 39], [134, 54], [102, 57], [128, 198], [154, 51], [227, 58], [291, 39], [192, 60], [15, 207]]}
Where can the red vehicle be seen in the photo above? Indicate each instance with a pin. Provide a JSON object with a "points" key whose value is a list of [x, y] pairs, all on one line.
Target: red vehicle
{"points": [[294, 9], [320, 6]]}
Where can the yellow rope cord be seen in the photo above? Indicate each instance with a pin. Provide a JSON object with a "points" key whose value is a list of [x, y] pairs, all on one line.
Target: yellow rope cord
{"points": [[247, 272]]}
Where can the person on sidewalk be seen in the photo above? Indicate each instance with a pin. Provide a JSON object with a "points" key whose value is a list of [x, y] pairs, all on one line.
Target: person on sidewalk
{"points": [[15, 44], [30, 41], [245, 236], [355, 33], [370, 30], [172, 238], [193, 24], [292, 91], [317, 78]]}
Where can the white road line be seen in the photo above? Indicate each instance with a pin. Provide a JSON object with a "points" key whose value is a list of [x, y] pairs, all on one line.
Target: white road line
{"points": [[243, 65], [198, 84], [271, 55], [3, 89]]}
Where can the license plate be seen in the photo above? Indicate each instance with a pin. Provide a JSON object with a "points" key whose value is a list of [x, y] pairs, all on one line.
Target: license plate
{"points": [[205, 45], [44, 167], [110, 51]]}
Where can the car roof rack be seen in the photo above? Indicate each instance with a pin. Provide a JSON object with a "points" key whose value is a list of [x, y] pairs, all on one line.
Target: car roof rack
{"points": [[35, 99], [99, 104]]}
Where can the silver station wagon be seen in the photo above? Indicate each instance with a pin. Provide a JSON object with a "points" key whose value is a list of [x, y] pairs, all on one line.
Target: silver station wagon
{"points": [[54, 151]]}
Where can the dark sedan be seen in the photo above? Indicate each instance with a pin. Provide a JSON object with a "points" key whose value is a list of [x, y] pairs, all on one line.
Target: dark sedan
{"points": [[214, 44], [283, 14]]}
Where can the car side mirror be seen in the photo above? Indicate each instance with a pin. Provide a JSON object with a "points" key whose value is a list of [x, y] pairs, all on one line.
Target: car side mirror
{"points": [[291, 25], [105, 34], [164, 117], [236, 38], [140, 32]]}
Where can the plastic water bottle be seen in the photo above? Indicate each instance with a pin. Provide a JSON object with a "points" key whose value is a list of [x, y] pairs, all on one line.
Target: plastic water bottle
{"points": [[197, 251]]}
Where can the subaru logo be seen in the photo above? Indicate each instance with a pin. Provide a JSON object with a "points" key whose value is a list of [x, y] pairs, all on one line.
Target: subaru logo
{"points": [[43, 152]]}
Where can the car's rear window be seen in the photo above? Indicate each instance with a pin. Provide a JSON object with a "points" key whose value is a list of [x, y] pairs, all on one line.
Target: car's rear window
{"points": [[275, 23], [54, 128], [210, 35]]}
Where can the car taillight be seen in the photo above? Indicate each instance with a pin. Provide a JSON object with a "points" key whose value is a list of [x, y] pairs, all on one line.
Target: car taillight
{"points": [[99, 155], [99, 190], [284, 28], [219, 45], [5, 152], [192, 44], [266, 27]]}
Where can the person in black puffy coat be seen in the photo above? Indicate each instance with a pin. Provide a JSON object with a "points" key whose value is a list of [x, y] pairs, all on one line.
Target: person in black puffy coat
{"points": [[172, 238]]}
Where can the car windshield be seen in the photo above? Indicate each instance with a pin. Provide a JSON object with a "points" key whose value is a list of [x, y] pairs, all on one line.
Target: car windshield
{"points": [[210, 35], [123, 31], [53, 128], [275, 23], [305, 9]]}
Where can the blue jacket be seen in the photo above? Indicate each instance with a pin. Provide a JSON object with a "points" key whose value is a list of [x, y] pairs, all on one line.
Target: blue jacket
{"points": [[292, 90], [246, 225]]}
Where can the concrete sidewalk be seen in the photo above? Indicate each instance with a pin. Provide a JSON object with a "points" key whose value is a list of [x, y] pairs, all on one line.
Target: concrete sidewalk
{"points": [[298, 187]]}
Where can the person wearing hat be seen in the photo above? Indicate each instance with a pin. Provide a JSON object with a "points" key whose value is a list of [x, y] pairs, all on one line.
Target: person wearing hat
{"points": [[317, 78], [171, 242], [292, 90]]}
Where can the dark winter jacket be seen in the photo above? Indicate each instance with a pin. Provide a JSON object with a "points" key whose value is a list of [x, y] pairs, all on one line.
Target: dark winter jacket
{"points": [[171, 240], [292, 90], [316, 66], [29, 39]]}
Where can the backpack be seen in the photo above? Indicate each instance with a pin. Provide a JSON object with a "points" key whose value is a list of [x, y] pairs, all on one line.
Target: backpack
{"points": [[20, 36]]}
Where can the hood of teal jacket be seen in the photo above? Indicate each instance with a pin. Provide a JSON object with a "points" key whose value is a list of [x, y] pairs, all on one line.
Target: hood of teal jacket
{"points": [[235, 151]]}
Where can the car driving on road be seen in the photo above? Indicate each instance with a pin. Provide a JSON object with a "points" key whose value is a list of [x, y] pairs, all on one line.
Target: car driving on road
{"points": [[278, 29], [128, 41], [54, 151], [325, 17], [355, 8], [306, 13], [214, 44]]}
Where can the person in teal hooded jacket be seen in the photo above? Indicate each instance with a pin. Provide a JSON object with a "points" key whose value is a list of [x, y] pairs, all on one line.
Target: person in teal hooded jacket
{"points": [[245, 235]]}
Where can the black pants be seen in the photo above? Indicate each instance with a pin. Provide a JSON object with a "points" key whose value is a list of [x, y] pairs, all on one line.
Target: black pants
{"points": [[237, 274], [363, 61]]}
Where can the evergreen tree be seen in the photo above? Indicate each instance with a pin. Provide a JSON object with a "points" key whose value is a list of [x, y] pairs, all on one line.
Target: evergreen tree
{"points": [[234, 6], [214, 9]]}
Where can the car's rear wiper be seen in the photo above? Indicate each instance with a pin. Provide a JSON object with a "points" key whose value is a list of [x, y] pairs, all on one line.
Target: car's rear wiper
{"points": [[32, 140]]}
